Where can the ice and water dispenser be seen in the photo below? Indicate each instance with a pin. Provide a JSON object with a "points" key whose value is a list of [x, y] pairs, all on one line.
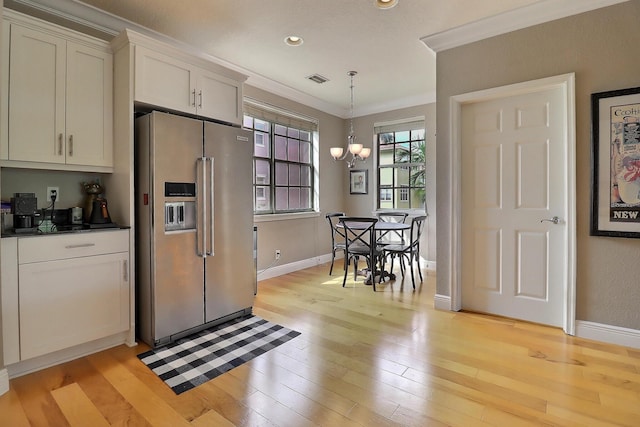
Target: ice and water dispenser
{"points": [[179, 214]]}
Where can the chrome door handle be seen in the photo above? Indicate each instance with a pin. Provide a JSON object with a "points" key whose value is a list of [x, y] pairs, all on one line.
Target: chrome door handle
{"points": [[193, 95], [211, 219], [201, 216], [71, 145], [554, 220]]}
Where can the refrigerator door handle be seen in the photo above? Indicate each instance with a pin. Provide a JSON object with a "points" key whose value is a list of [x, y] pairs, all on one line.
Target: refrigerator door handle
{"points": [[201, 203], [211, 220]]}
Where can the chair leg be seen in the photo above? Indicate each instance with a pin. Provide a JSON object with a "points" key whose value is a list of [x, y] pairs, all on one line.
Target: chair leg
{"points": [[417, 256], [333, 257], [355, 268], [346, 271], [413, 280]]}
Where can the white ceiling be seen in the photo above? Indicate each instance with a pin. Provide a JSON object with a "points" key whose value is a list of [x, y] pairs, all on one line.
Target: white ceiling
{"points": [[387, 47]]}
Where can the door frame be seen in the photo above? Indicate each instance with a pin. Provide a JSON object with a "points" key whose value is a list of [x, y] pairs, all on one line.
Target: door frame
{"points": [[567, 83]]}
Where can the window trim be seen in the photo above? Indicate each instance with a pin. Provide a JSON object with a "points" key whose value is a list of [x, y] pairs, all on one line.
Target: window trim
{"points": [[402, 125], [278, 116]]}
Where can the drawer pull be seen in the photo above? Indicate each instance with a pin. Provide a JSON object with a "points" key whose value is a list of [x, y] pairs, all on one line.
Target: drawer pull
{"points": [[125, 271], [83, 245]]}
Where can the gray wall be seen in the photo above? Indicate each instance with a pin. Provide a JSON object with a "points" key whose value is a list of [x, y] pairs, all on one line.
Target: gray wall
{"points": [[601, 47], [360, 204]]}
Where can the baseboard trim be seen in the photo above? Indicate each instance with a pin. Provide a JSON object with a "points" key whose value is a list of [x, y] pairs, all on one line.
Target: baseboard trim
{"points": [[607, 333], [4, 381], [279, 270], [442, 302], [37, 363]]}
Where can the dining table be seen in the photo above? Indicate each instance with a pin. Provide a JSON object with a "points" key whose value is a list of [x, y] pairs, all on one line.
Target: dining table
{"points": [[382, 227]]}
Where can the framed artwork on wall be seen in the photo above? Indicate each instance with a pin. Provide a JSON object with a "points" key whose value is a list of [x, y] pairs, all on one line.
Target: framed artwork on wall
{"points": [[358, 181], [615, 163]]}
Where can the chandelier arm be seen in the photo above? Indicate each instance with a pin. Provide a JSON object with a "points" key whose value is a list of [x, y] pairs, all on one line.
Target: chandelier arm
{"points": [[352, 137]]}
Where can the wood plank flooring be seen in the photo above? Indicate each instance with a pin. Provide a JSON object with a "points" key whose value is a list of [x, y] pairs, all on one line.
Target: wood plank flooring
{"points": [[363, 359]]}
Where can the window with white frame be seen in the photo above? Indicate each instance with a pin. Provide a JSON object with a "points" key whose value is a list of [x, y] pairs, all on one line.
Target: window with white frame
{"points": [[400, 161], [283, 159]]}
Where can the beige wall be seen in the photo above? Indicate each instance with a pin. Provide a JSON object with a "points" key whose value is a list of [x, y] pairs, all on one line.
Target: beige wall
{"points": [[601, 47], [307, 238]]}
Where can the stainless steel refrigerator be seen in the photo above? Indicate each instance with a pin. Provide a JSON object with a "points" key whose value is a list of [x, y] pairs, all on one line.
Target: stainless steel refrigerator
{"points": [[195, 241]]}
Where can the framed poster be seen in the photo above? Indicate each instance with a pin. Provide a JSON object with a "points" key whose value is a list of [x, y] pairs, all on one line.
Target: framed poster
{"points": [[358, 182], [615, 163]]}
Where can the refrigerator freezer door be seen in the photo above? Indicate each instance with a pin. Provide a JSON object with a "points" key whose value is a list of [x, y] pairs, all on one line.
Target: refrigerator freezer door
{"points": [[230, 275], [177, 273]]}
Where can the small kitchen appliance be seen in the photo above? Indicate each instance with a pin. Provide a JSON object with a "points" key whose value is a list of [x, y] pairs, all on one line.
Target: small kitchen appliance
{"points": [[23, 208], [75, 215], [99, 217]]}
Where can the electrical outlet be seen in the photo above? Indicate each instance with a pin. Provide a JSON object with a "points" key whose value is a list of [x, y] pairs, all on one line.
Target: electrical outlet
{"points": [[55, 191], [277, 253]]}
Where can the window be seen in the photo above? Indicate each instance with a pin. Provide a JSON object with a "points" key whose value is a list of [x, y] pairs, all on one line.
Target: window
{"points": [[283, 160], [401, 165], [404, 194], [385, 195]]}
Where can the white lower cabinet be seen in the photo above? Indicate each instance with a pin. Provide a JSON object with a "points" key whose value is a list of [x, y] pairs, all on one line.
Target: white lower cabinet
{"points": [[73, 301], [62, 291]]}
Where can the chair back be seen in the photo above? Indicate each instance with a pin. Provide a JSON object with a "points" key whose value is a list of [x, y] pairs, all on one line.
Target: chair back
{"points": [[337, 234], [359, 235], [392, 216], [417, 226], [395, 237]]}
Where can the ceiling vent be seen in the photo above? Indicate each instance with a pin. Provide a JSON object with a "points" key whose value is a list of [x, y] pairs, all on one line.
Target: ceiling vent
{"points": [[318, 78]]}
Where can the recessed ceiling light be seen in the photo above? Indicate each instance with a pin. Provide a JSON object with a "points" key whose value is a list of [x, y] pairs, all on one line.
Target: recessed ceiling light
{"points": [[386, 4], [293, 40]]}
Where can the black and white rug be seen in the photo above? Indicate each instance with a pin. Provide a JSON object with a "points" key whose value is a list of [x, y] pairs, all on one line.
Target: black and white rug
{"points": [[199, 358]]}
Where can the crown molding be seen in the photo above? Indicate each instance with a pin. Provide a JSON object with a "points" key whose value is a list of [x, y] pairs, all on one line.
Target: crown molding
{"points": [[527, 16]]}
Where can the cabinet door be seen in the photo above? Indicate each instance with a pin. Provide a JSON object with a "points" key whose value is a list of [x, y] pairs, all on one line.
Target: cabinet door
{"points": [[36, 96], [164, 81], [89, 106], [70, 302], [218, 97]]}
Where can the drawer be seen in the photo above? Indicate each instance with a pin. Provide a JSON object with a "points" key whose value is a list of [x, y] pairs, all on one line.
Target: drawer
{"points": [[65, 246]]}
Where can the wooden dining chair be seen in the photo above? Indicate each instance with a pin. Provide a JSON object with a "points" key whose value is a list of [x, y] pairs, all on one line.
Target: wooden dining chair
{"points": [[410, 250], [337, 237], [360, 241]]}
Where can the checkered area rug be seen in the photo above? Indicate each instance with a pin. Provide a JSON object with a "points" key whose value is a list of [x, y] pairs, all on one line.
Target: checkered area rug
{"points": [[201, 357]]}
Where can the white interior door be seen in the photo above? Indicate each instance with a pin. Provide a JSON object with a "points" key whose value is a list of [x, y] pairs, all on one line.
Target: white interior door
{"points": [[514, 168]]}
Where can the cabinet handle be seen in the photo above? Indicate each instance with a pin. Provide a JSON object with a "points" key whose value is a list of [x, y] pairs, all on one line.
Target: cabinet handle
{"points": [[60, 145], [81, 245], [125, 270], [193, 94], [70, 145], [200, 103]]}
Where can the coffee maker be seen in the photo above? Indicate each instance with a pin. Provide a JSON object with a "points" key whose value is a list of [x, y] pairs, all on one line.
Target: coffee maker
{"points": [[23, 208], [99, 213]]}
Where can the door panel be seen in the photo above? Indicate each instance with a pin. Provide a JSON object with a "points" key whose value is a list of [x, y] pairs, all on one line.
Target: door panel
{"points": [[179, 272], [513, 176], [230, 272]]}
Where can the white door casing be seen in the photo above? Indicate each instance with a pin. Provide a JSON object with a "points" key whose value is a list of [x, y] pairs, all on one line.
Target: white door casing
{"points": [[514, 264]]}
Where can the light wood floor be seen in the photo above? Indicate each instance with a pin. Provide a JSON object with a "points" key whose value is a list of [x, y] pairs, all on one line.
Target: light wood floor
{"points": [[363, 359]]}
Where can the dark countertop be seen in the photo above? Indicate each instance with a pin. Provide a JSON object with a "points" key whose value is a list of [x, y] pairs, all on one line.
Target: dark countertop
{"points": [[63, 229]]}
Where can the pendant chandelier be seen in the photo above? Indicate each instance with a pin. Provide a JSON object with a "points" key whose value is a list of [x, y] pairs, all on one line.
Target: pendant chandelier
{"points": [[357, 151]]}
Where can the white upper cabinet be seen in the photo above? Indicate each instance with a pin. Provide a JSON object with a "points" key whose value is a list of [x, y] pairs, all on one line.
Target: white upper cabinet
{"points": [[60, 104], [163, 81], [171, 79]]}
